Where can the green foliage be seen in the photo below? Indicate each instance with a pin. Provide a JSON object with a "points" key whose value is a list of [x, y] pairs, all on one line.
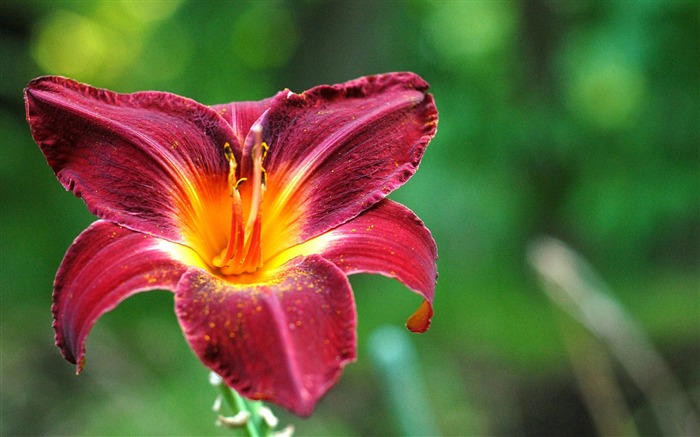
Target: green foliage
{"points": [[572, 119]]}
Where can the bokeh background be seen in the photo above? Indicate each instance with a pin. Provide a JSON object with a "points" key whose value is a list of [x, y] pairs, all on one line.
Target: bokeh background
{"points": [[577, 120]]}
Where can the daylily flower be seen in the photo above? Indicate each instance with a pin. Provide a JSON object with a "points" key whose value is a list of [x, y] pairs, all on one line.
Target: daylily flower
{"points": [[252, 213]]}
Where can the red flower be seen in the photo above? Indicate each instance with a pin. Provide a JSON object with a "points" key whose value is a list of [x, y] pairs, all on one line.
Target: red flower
{"points": [[252, 213]]}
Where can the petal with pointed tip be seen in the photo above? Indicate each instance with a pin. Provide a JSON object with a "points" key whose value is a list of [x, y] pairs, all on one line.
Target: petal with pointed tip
{"points": [[284, 340], [420, 320], [387, 239], [106, 264]]}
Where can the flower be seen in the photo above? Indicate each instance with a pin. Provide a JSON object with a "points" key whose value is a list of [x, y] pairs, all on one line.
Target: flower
{"points": [[251, 213]]}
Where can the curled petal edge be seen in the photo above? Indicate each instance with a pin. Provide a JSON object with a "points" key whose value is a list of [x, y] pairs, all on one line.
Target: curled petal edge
{"points": [[387, 239], [106, 264]]}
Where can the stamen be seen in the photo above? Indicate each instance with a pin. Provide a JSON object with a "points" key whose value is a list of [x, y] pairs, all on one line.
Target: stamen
{"points": [[243, 252], [236, 236], [259, 152], [228, 153]]}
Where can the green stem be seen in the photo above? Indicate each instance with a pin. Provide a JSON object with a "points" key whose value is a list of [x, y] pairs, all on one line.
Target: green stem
{"points": [[238, 404], [260, 422]]}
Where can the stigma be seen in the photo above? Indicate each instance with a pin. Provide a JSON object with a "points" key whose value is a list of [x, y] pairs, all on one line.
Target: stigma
{"points": [[243, 252]]}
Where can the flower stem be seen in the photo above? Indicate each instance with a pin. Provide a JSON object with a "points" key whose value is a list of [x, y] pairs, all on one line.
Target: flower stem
{"points": [[253, 418], [238, 404]]}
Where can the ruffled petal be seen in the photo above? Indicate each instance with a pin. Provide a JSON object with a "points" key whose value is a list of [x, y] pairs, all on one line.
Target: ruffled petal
{"points": [[334, 151], [150, 161], [284, 340], [106, 264], [387, 239]]}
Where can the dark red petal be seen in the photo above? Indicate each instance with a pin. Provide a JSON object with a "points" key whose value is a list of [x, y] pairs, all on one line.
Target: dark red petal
{"points": [[388, 239], [285, 340], [106, 264], [337, 150], [147, 160], [242, 115]]}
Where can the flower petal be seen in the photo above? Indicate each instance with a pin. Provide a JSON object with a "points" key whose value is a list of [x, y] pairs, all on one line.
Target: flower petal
{"points": [[148, 161], [388, 239], [284, 340], [106, 264], [420, 320], [242, 115], [334, 151]]}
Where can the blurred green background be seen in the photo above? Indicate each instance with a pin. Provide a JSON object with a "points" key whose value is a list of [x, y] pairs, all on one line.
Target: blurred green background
{"points": [[577, 119]]}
